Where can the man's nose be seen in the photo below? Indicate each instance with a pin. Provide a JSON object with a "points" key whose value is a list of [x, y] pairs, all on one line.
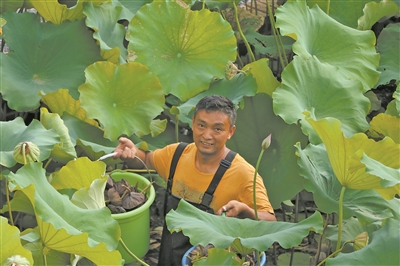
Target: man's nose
{"points": [[207, 133]]}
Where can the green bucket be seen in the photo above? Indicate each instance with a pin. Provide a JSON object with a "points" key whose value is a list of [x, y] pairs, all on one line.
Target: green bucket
{"points": [[135, 224]]}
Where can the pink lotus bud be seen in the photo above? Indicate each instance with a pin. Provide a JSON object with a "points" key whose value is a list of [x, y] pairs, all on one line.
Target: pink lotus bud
{"points": [[266, 142]]}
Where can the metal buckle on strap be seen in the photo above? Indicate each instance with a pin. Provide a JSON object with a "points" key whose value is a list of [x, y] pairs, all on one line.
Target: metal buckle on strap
{"points": [[225, 163], [207, 198]]}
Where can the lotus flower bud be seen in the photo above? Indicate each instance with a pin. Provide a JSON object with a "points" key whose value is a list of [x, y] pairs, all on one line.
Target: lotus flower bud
{"points": [[26, 152], [266, 142], [17, 260], [361, 241]]}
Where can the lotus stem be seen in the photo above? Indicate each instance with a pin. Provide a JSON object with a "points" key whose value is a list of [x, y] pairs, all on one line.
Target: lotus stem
{"points": [[47, 163], [277, 38], [242, 35], [177, 127], [254, 184], [147, 187], [9, 203], [340, 218], [130, 253], [335, 253], [328, 6], [320, 239], [45, 259]]}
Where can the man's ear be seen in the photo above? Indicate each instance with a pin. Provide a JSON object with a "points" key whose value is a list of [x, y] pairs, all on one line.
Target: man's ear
{"points": [[231, 131]]}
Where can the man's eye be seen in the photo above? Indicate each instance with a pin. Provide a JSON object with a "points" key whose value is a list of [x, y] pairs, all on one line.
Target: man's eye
{"points": [[218, 129]]}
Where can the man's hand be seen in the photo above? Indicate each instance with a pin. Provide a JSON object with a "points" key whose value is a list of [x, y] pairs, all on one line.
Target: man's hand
{"points": [[126, 150], [238, 209]]}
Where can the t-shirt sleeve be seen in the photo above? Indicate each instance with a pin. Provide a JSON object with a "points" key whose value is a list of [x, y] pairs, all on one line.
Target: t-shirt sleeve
{"points": [[162, 159]]}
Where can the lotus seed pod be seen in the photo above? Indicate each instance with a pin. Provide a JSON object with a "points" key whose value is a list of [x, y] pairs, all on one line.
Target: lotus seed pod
{"points": [[26, 152], [17, 260], [361, 241], [266, 142]]}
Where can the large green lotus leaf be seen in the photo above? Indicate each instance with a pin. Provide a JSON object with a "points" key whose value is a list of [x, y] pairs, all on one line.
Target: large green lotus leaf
{"points": [[10, 243], [382, 249], [203, 228], [53, 257], [266, 82], [61, 101], [320, 179], [219, 257], [343, 152], [45, 61], [55, 213], [393, 107], [130, 7], [31, 238], [184, 48], [53, 11], [374, 11], [77, 174], [278, 166], [310, 84], [345, 12], [333, 43], [361, 14], [11, 5], [266, 44], [79, 244], [91, 197], [125, 99], [385, 125], [87, 133], [351, 229], [387, 45], [15, 131], [89, 139], [103, 20], [390, 177], [20, 203], [239, 86], [65, 150]]}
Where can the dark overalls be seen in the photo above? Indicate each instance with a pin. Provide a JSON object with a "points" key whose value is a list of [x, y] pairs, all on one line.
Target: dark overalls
{"points": [[174, 245]]}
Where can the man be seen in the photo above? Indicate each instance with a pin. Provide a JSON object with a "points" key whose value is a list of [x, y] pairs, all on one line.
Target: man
{"points": [[207, 173]]}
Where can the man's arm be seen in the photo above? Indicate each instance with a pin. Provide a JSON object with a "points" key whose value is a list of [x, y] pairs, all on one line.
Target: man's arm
{"points": [[238, 209], [127, 150]]}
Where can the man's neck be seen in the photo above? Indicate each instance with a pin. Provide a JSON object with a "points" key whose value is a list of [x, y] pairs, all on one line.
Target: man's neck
{"points": [[209, 163]]}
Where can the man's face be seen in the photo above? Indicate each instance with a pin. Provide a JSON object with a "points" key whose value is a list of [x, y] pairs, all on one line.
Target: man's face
{"points": [[211, 131]]}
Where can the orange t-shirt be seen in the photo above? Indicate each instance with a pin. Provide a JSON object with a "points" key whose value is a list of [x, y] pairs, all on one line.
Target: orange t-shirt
{"points": [[190, 184]]}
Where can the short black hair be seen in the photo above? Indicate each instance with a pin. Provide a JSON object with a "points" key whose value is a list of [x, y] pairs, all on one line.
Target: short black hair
{"points": [[217, 103]]}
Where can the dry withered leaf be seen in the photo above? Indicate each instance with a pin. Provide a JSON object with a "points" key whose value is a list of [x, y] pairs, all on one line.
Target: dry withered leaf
{"points": [[114, 197], [116, 209], [133, 200]]}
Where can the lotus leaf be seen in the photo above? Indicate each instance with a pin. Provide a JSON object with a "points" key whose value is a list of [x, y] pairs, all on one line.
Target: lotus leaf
{"points": [[318, 35], [278, 165], [384, 240], [123, 98], [203, 228], [184, 48], [24, 75], [10, 242], [15, 131]]}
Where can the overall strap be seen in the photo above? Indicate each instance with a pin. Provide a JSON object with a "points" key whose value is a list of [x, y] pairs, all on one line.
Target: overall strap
{"points": [[175, 159], [223, 166]]}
